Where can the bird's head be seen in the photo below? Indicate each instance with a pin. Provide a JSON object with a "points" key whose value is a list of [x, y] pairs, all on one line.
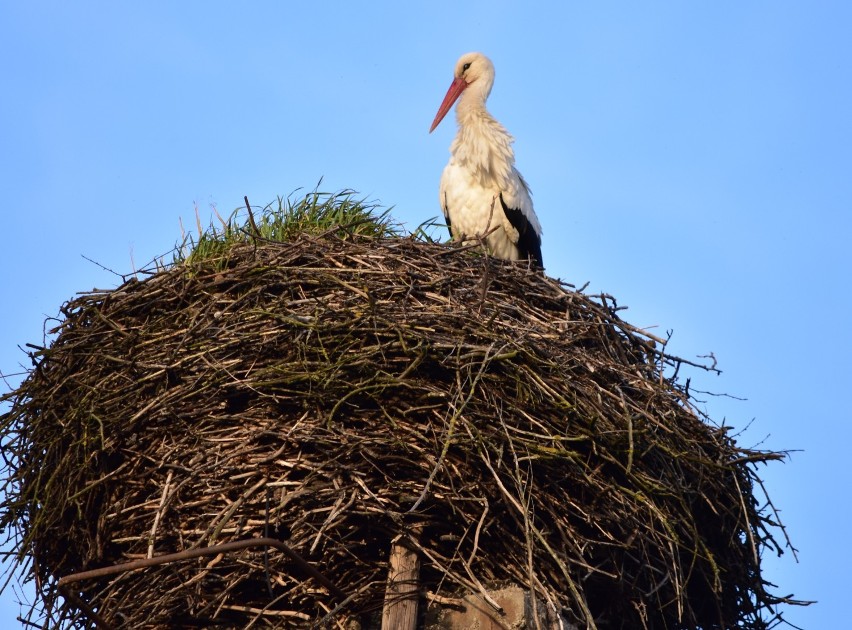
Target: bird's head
{"points": [[473, 71]]}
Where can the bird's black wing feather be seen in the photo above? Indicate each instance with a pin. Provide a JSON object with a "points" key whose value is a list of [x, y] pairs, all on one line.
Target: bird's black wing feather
{"points": [[446, 210], [529, 243]]}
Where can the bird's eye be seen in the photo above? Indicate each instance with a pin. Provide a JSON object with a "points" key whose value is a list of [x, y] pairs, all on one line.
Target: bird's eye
{"points": [[465, 67]]}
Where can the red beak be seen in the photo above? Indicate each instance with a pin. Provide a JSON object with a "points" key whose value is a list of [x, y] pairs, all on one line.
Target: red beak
{"points": [[456, 88]]}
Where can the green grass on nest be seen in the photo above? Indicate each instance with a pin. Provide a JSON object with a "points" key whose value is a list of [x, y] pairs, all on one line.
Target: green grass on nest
{"points": [[341, 213]]}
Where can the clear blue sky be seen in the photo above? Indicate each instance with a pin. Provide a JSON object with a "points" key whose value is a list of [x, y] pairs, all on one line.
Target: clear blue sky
{"points": [[692, 159]]}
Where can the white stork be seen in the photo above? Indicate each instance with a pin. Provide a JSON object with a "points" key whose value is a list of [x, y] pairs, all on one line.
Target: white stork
{"points": [[482, 193]]}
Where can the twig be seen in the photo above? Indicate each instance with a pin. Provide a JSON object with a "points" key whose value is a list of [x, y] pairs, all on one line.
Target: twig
{"points": [[159, 514]]}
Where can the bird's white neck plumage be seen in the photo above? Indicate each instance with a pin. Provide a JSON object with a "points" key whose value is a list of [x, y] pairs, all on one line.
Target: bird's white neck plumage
{"points": [[482, 145]]}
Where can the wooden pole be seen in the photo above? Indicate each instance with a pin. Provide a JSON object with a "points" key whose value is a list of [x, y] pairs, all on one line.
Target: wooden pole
{"points": [[403, 589]]}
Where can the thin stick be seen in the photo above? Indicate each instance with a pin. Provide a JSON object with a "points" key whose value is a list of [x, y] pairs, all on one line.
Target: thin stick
{"points": [[159, 513]]}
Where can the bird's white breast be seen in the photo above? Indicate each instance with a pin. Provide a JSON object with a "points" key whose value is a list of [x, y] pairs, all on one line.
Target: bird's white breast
{"points": [[474, 208]]}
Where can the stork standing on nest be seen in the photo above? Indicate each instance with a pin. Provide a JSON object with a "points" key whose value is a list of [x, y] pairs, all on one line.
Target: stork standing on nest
{"points": [[483, 195]]}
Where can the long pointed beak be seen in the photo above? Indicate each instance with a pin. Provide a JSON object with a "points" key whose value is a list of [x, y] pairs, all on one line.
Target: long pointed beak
{"points": [[456, 88]]}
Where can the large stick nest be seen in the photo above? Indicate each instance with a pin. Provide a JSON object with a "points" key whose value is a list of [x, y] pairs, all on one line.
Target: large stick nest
{"points": [[338, 394]]}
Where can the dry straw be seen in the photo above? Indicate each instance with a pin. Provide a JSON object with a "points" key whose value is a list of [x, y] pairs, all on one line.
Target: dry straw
{"points": [[337, 392]]}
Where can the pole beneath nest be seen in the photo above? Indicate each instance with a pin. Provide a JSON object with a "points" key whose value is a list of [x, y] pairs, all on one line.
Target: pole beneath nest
{"points": [[403, 589]]}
